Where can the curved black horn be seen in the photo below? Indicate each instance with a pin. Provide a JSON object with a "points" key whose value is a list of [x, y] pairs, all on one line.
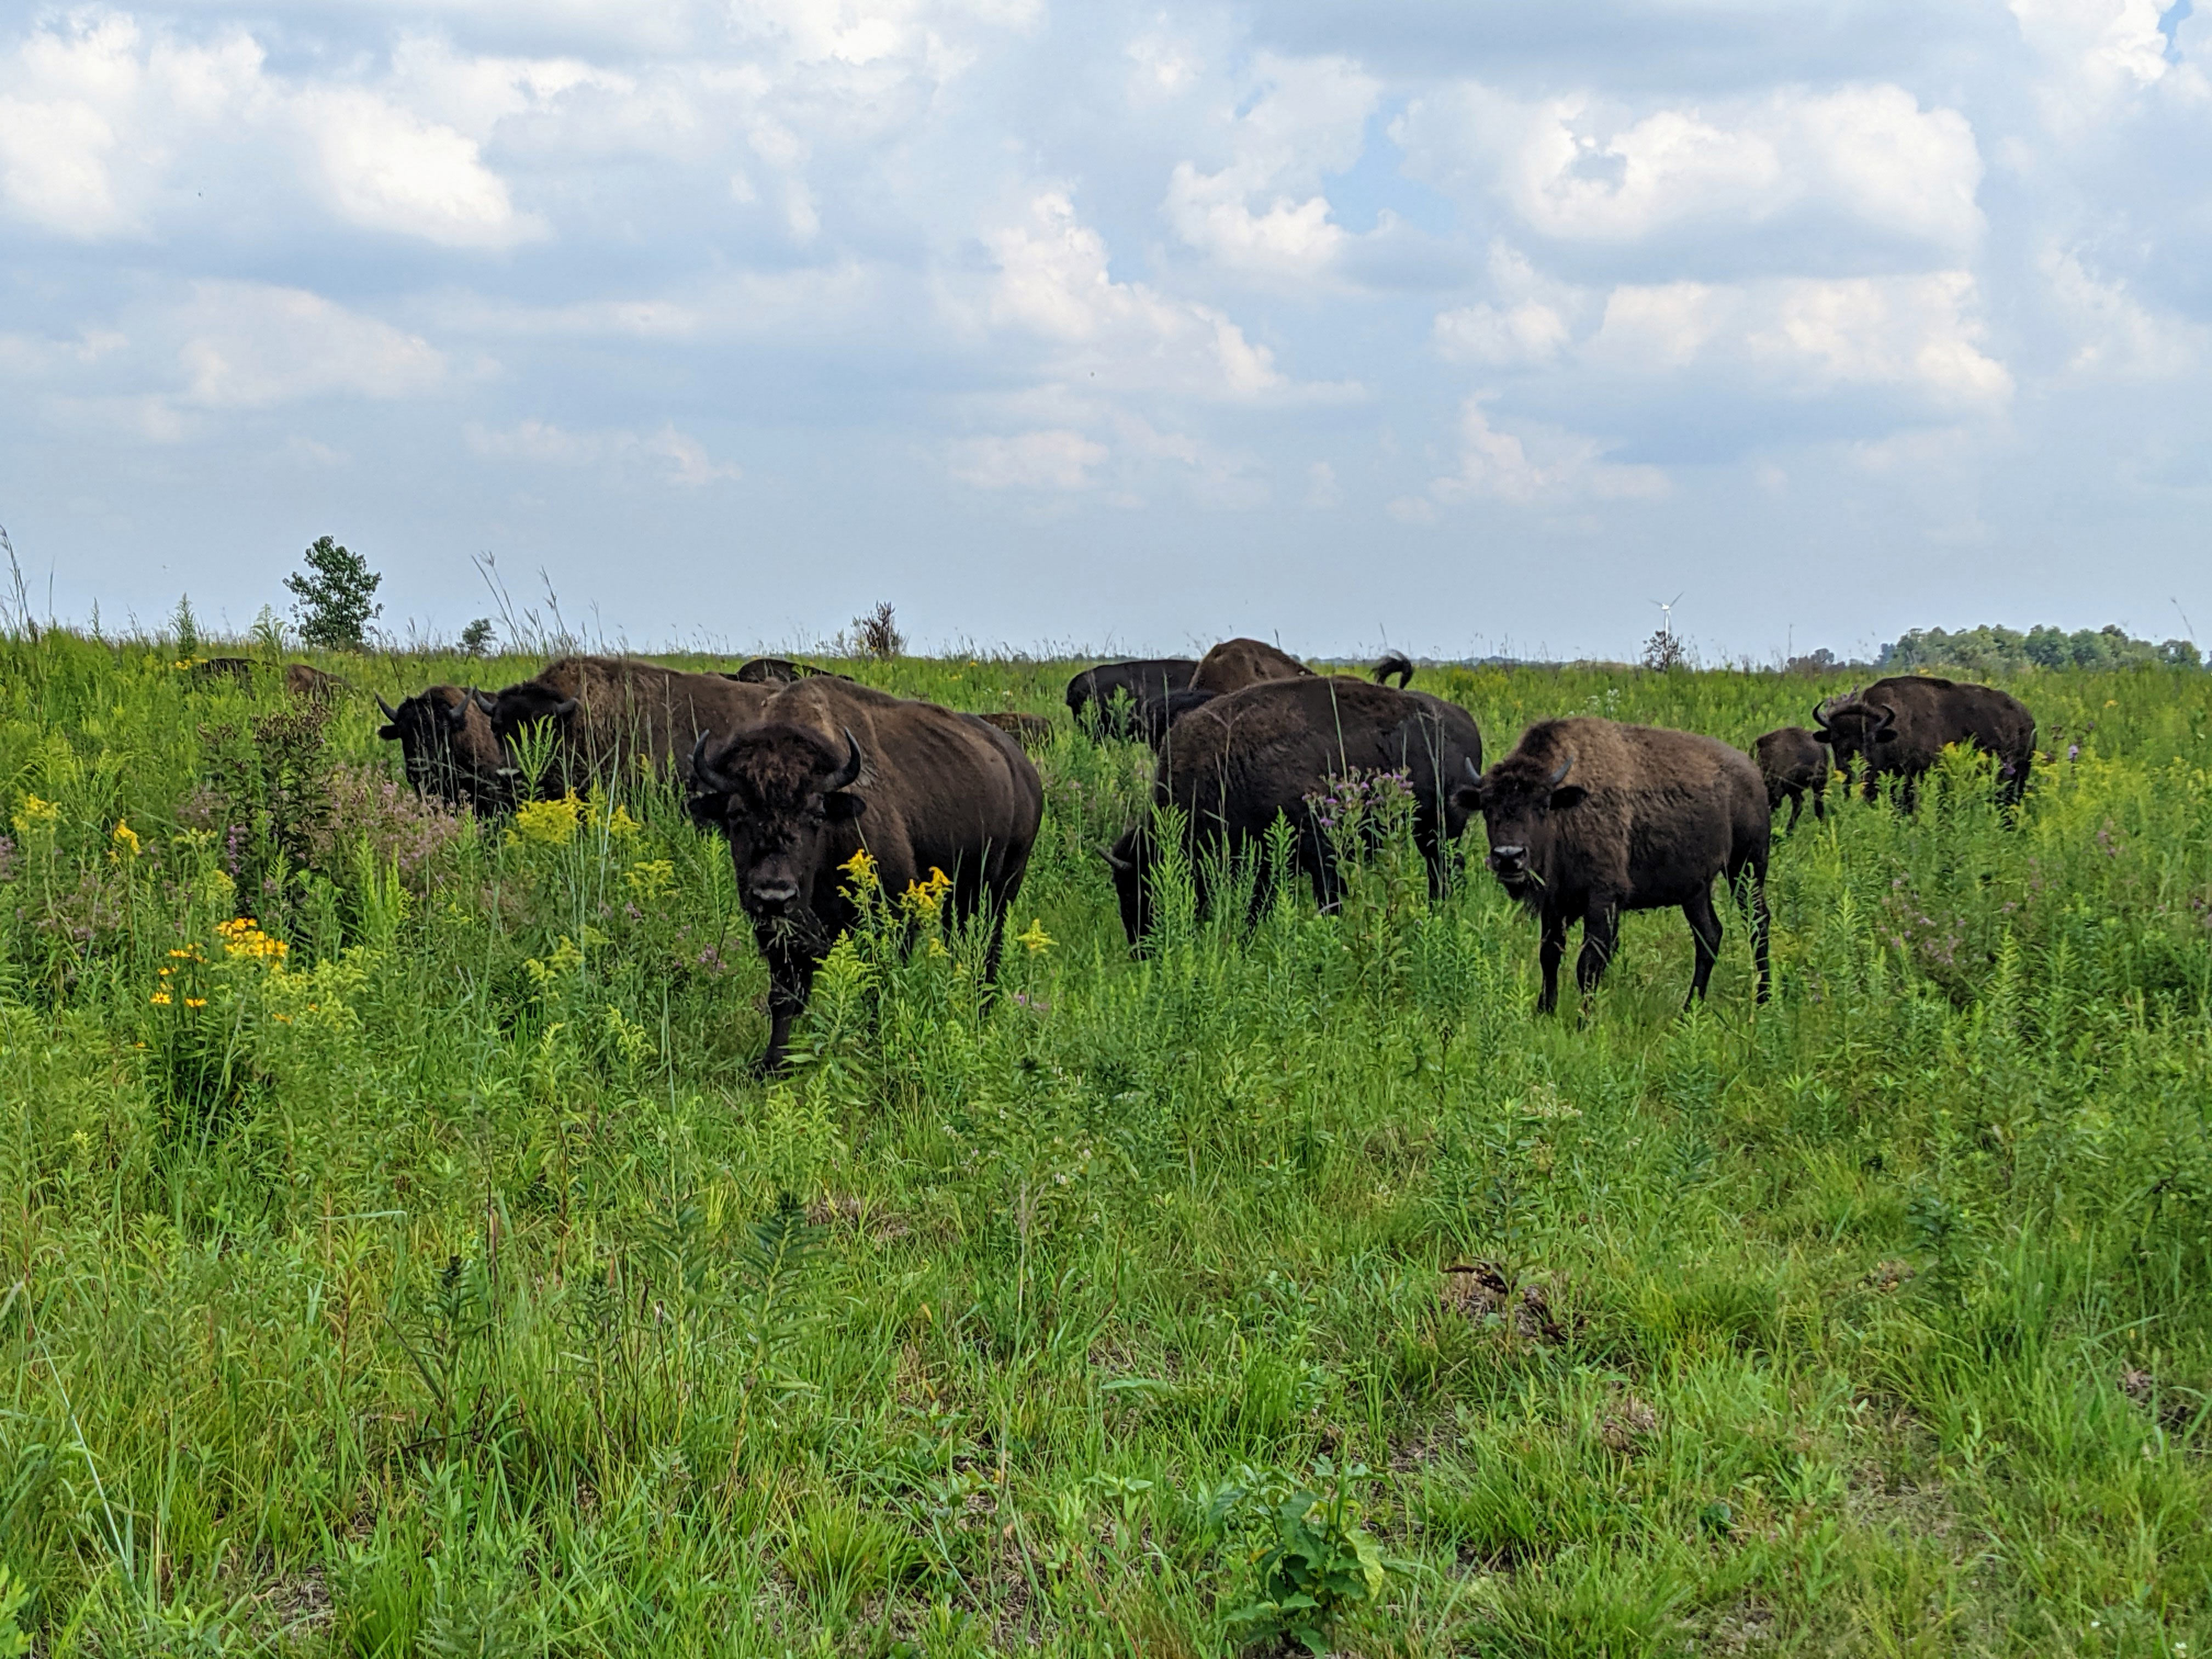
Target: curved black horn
{"points": [[849, 772], [704, 777], [1473, 771], [1566, 766], [390, 713], [1888, 719], [1821, 714]]}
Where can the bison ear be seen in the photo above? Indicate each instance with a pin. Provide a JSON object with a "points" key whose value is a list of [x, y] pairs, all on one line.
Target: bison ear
{"points": [[842, 808], [1888, 734], [1467, 798], [1567, 795], [708, 812], [1824, 736], [389, 733]]}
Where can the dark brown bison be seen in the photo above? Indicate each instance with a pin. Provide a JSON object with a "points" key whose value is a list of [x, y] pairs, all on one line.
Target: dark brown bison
{"points": [[1898, 728], [1031, 731], [1105, 700], [1588, 818], [1155, 716], [831, 769], [1235, 763], [1235, 664], [1795, 764], [608, 713], [774, 670], [445, 743], [311, 685]]}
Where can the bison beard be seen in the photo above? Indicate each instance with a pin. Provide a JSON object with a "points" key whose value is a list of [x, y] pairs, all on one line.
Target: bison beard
{"points": [[916, 787], [1588, 818]]}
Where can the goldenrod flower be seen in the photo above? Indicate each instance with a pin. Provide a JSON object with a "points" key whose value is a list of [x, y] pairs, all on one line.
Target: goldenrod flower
{"points": [[125, 839], [1036, 938], [621, 824], [926, 898], [860, 878], [244, 937], [548, 822], [35, 815]]}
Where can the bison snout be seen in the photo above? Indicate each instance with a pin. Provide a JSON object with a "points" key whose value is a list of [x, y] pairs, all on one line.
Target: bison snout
{"points": [[773, 895], [1508, 860]]}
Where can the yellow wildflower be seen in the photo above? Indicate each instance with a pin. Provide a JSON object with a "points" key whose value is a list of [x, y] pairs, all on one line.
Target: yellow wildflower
{"points": [[548, 822], [650, 878], [195, 1002], [35, 815], [622, 824], [160, 998], [125, 839], [859, 873], [243, 938], [926, 898], [1036, 938]]}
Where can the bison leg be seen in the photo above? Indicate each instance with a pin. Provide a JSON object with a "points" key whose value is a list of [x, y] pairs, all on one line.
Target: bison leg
{"points": [[1549, 953], [1819, 806], [1796, 806], [790, 979], [1600, 932], [1706, 939]]}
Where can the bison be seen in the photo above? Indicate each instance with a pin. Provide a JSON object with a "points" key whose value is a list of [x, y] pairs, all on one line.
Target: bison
{"points": [[1238, 761], [1105, 700], [1795, 765], [832, 769], [446, 743], [1899, 726], [607, 713], [1588, 818], [1031, 731], [774, 670], [1235, 664]]}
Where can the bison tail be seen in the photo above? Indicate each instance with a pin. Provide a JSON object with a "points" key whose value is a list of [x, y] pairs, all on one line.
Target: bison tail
{"points": [[1397, 663]]}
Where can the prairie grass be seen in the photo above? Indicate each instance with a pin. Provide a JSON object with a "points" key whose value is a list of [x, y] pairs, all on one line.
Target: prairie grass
{"points": [[442, 1283]]}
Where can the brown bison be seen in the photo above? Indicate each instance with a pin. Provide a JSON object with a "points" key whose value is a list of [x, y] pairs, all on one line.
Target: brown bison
{"points": [[1898, 727], [1795, 764], [1235, 664], [1031, 731], [1236, 762], [832, 768], [607, 713], [1588, 818], [774, 670], [445, 743], [1105, 700]]}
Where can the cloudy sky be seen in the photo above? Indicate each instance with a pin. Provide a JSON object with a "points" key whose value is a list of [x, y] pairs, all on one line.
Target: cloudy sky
{"points": [[1459, 325]]}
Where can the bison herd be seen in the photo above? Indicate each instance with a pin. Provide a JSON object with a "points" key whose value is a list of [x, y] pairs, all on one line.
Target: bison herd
{"points": [[807, 776]]}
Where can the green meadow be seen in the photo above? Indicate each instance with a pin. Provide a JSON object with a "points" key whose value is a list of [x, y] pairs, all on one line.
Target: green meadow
{"points": [[398, 1256]]}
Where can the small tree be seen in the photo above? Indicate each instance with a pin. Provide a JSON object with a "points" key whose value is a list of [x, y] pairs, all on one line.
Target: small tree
{"points": [[877, 634], [477, 637], [186, 627], [334, 600], [1663, 651]]}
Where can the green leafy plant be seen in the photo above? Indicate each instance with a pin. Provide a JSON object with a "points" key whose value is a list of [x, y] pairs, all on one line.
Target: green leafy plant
{"points": [[335, 596], [15, 1593], [1315, 1563], [477, 637]]}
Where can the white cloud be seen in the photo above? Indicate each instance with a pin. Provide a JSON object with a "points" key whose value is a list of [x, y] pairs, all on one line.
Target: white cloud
{"points": [[1538, 463], [1322, 490], [1580, 168], [2114, 335], [667, 456], [1807, 337], [251, 345], [1058, 460], [1054, 281], [1493, 336], [388, 169], [2098, 53]]}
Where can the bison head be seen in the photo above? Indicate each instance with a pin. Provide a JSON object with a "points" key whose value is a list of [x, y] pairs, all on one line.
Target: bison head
{"points": [[1853, 727], [1519, 799], [775, 792], [445, 742]]}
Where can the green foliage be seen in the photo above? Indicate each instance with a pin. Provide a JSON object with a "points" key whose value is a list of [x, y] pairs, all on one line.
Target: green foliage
{"points": [[1314, 1562], [1991, 650], [335, 596], [443, 1282], [477, 637], [185, 628]]}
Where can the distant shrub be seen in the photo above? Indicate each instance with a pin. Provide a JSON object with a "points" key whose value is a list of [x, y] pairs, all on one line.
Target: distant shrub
{"points": [[877, 634], [1990, 649], [477, 637]]}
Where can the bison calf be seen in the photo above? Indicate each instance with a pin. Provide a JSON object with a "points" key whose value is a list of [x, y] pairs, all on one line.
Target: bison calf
{"points": [[831, 769], [1795, 764], [1588, 818]]}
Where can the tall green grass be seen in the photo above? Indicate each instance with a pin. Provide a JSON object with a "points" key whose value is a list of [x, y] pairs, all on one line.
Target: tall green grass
{"points": [[445, 1284]]}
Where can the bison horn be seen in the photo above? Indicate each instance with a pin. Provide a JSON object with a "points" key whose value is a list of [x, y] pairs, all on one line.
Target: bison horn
{"points": [[849, 772], [1113, 860], [390, 713], [1888, 719], [1566, 766], [1472, 773], [704, 777], [1820, 713]]}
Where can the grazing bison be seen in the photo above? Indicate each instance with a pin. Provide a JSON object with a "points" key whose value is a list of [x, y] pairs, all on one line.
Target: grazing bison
{"points": [[1238, 761], [832, 768], [1105, 700], [1795, 765], [1898, 728], [1031, 731], [608, 713], [311, 685], [1155, 715], [1588, 818], [1235, 664], [446, 743]]}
